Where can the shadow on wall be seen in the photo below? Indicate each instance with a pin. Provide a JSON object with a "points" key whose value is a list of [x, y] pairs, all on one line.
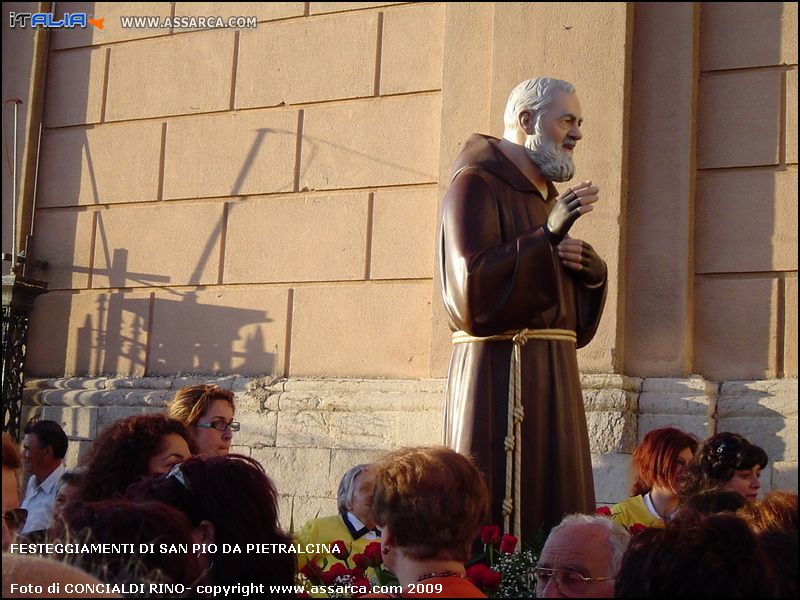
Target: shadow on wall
{"points": [[115, 337], [740, 407]]}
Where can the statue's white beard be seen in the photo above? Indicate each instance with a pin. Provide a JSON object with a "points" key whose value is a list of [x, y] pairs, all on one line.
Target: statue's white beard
{"points": [[554, 162]]}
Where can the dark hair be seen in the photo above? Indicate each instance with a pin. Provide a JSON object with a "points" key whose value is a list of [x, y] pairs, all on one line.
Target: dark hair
{"points": [[694, 556], [49, 433], [235, 494], [715, 500], [777, 512], [434, 500], [656, 459], [774, 521], [122, 522], [121, 454], [10, 453], [718, 459], [74, 477]]}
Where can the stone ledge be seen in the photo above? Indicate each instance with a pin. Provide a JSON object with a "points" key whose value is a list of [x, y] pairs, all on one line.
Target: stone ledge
{"points": [[771, 398]]}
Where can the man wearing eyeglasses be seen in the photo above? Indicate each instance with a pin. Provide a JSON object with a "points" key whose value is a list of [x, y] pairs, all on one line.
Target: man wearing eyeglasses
{"points": [[581, 558]]}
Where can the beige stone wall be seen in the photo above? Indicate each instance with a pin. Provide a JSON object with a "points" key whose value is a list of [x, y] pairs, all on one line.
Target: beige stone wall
{"points": [[712, 221], [261, 203], [276, 185]]}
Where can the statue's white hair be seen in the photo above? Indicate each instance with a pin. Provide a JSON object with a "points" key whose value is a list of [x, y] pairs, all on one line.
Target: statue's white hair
{"points": [[533, 95]]}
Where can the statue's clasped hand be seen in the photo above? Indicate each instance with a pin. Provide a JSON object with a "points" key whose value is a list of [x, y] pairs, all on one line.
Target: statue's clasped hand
{"points": [[579, 256]]}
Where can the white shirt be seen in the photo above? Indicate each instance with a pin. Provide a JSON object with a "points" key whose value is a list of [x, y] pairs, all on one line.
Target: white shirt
{"points": [[358, 525], [40, 499], [648, 502]]}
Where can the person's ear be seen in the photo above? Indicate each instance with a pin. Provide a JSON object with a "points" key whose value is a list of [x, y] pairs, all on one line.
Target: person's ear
{"points": [[387, 537], [204, 533], [526, 122]]}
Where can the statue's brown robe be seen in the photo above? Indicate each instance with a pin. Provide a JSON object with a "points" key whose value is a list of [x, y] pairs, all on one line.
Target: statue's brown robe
{"points": [[499, 273]]}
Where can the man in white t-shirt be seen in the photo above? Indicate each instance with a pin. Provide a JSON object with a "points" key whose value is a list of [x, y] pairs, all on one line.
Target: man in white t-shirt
{"points": [[43, 449]]}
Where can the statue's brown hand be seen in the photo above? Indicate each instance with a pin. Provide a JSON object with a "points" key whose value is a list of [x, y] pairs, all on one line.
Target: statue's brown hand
{"points": [[573, 203], [579, 256]]}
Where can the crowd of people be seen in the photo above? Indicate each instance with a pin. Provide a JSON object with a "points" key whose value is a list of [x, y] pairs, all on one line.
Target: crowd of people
{"points": [[694, 524]]}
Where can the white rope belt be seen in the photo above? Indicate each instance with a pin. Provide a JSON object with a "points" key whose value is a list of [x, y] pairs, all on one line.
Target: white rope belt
{"points": [[512, 443]]}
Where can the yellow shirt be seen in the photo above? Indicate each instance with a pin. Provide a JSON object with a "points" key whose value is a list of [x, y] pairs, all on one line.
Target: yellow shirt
{"points": [[632, 511], [327, 530]]}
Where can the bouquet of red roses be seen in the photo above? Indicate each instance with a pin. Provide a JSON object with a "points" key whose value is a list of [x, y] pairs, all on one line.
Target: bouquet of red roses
{"points": [[341, 579], [499, 571]]}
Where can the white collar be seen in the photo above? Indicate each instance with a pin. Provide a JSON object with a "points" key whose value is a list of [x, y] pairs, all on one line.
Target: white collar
{"points": [[50, 481], [354, 521]]}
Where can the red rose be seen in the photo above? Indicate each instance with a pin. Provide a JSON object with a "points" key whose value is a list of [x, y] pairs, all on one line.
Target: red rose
{"points": [[374, 554], [312, 571], [361, 561], [490, 534], [508, 543], [603, 511], [336, 570], [484, 578], [360, 582], [339, 550], [637, 528]]}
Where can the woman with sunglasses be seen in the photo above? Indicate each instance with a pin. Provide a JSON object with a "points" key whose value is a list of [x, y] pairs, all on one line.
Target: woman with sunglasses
{"points": [[207, 411], [725, 461], [229, 501]]}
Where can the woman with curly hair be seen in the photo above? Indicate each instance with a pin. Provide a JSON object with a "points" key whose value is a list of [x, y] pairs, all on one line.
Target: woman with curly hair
{"points": [[727, 461], [659, 461], [207, 411], [131, 448], [228, 500]]}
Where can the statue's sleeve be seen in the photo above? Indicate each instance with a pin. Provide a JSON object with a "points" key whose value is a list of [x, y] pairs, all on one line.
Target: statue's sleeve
{"points": [[490, 285], [589, 301]]}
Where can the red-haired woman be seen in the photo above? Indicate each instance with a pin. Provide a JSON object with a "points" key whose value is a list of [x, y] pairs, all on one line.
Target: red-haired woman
{"points": [[659, 461], [430, 503]]}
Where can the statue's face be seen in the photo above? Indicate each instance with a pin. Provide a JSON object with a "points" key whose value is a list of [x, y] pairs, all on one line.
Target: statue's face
{"points": [[551, 144]]}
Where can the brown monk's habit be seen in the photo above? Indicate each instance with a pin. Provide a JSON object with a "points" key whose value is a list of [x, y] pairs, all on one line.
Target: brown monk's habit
{"points": [[499, 273]]}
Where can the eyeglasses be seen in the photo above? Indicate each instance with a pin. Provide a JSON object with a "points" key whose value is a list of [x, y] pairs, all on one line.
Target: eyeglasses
{"points": [[568, 582], [15, 518], [220, 425]]}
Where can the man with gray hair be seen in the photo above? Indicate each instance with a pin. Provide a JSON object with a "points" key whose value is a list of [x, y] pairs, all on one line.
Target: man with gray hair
{"points": [[581, 558], [521, 295], [354, 525]]}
